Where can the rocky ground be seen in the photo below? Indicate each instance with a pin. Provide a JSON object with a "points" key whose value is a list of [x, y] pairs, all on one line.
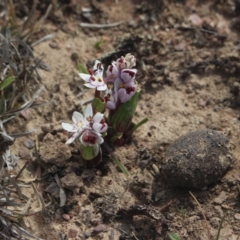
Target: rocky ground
{"points": [[188, 65]]}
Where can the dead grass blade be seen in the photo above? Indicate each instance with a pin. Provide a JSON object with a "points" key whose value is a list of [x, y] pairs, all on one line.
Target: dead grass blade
{"points": [[62, 195], [203, 214]]}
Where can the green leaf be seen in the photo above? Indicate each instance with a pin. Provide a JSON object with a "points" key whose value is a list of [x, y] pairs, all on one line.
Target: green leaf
{"points": [[7, 82], [136, 126], [120, 165], [219, 229], [122, 118], [173, 236], [115, 137], [82, 69], [98, 44], [98, 105]]}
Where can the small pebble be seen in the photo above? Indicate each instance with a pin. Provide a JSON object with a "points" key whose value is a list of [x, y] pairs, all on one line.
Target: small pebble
{"points": [[66, 217], [155, 168], [100, 228], [72, 233], [237, 216], [53, 44], [24, 153], [28, 143]]}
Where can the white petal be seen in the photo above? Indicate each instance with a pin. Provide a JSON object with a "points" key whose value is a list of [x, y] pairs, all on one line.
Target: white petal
{"points": [[97, 127], [89, 85], [77, 117], [102, 87], [69, 127], [85, 77], [88, 111], [98, 117], [100, 140], [73, 137]]}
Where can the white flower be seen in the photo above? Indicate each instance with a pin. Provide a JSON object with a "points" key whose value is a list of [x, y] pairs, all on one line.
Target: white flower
{"points": [[95, 79], [80, 123], [88, 127]]}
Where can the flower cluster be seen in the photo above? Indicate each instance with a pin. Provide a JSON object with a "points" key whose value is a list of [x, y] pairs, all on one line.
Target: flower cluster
{"points": [[118, 93], [122, 85], [87, 127], [119, 82]]}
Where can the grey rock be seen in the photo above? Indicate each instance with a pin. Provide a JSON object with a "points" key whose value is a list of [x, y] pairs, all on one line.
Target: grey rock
{"points": [[28, 143], [197, 159]]}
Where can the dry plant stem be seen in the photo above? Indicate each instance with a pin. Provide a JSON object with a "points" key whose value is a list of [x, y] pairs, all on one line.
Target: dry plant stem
{"points": [[45, 38], [90, 25], [134, 235], [44, 17], [39, 197], [201, 30], [19, 173], [202, 211]]}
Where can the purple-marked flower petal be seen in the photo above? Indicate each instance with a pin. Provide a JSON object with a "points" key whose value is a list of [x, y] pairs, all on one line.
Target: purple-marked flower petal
{"points": [[117, 84], [90, 137], [104, 128], [126, 94], [110, 105], [95, 79], [126, 62], [98, 66], [128, 76], [113, 71]]}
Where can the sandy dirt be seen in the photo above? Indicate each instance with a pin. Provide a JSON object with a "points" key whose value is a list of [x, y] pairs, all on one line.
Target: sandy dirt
{"points": [[188, 64]]}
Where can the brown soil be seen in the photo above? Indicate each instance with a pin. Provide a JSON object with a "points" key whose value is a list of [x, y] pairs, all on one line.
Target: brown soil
{"points": [[188, 64]]}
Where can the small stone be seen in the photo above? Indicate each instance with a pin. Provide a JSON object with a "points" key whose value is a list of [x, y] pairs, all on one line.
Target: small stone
{"points": [[100, 228], [24, 153], [155, 168], [53, 44], [221, 198], [237, 216], [72, 182], [197, 159], [26, 114], [74, 56], [66, 217], [28, 143], [72, 233]]}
